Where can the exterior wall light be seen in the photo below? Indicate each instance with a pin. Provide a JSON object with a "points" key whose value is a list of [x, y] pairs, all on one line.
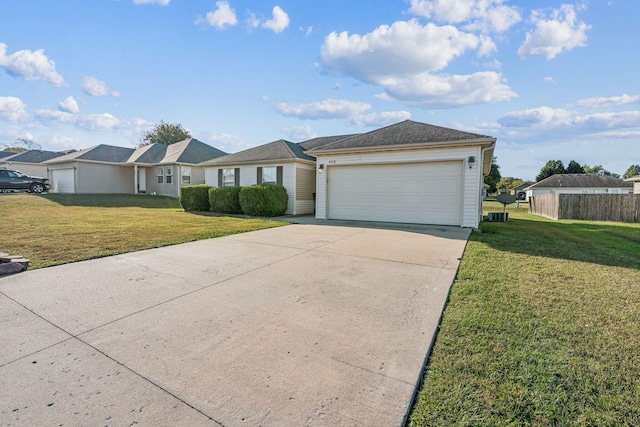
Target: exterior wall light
{"points": [[471, 160], [320, 167]]}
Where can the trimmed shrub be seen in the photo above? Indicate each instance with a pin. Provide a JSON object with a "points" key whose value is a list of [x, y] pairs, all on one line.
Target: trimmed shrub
{"points": [[264, 200], [195, 198], [225, 200]]}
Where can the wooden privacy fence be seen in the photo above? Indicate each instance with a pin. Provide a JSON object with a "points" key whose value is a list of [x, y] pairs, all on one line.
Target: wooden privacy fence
{"points": [[591, 207]]}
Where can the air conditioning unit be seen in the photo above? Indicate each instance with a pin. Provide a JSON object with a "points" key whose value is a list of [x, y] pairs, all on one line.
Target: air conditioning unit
{"points": [[498, 216]]}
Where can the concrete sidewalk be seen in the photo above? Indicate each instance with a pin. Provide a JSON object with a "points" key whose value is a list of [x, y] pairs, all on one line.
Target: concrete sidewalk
{"points": [[297, 325]]}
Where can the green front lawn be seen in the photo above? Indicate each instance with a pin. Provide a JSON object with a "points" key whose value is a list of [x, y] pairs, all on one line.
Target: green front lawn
{"points": [[57, 229], [542, 328]]}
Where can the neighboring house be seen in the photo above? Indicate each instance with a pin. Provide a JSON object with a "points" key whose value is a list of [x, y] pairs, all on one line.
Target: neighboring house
{"points": [[636, 183], [580, 183], [519, 191], [279, 162], [29, 162], [409, 172], [156, 168]]}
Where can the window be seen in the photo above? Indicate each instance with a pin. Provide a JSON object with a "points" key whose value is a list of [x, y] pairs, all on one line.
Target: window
{"points": [[160, 174], [186, 174], [269, 175], [228, 177], [169, 175]]}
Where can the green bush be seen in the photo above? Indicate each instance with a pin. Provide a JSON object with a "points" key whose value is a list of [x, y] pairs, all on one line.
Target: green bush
{"points": [[264, 200], [225, 200], [195, 198]]}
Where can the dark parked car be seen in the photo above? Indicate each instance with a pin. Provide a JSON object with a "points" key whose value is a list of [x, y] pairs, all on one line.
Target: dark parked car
{"points": [[11, 180]]}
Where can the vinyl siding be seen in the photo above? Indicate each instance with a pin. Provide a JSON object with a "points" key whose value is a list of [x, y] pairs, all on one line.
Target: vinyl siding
{"points": [[31, 169], [305, 180], [472, 177], [102, 178], [249, 176]]}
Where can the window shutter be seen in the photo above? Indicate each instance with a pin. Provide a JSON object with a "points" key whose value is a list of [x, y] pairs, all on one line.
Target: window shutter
{"points": [[259, 178], [236, 175], [279, 175], [219, 177]]}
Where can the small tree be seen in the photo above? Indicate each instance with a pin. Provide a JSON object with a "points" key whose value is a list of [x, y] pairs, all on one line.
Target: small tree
{"points": [[21, 145], [164, 133], [599, 170], [574, 167], [507, 183], [494, 177], [552, 167], [633, 170]]}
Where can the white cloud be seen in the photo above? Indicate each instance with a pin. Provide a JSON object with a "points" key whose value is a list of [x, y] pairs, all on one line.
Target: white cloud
{"points": [[224, 141], [549, 79], [69, 105], [223, 16], [298, 133], [252, 21], [30, 65], [327, 109], [435, 91], [279, 22], [605, 102], [559, 33], [482, 15], [158, 2], [403, 57], [307, 31], [384, 118], [94, 122], [94, 87], [354, 112], [560, 119], [13, 109]]}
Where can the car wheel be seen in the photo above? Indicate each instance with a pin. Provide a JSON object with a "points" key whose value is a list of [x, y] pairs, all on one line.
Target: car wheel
{"points": [[37, 188]]}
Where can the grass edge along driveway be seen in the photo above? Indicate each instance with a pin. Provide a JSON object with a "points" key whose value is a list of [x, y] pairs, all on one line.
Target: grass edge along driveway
{"points": [[542, 328], [57, 229]]}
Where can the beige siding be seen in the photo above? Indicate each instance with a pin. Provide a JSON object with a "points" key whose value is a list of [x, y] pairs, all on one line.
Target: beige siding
{"points": [[305, 189], [104, 178], [636, 187], [472, 177], [31, 169]]}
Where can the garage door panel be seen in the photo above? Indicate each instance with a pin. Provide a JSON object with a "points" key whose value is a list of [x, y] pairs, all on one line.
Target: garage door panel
{"points": [[428, 193], [63, 181]]}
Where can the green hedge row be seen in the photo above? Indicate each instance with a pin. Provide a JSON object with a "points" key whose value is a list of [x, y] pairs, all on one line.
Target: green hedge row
{"points": [[255, 200], [195, 198]]}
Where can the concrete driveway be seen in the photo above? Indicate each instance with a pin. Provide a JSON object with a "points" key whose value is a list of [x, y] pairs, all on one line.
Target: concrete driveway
{"points": [[298, 325]]}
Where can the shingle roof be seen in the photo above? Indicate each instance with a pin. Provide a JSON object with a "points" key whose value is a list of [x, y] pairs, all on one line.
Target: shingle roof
{"points": [[188, 151], [97, 153], [33, 156], [4, 154], [404, 133], [279, 150], [581, 180], [323, 140]]}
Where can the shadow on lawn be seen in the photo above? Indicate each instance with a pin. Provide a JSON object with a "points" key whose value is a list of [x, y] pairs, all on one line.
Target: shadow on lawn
{"points": [[612, 244], [114, 200]]}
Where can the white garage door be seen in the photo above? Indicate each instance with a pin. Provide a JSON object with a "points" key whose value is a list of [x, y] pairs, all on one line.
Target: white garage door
{"points": [[423, 193], [63, 181]]}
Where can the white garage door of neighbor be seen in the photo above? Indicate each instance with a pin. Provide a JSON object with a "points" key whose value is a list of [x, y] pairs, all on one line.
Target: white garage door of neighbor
{"points": [[63, 181], [422, 193]]}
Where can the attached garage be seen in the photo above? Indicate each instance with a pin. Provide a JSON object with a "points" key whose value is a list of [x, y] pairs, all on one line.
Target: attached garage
{"points": [[423, 193], [409, 172], [63, 181]]}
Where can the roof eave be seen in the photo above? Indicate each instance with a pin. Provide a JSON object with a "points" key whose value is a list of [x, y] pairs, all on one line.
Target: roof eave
{"points": [[443, 144], [254, 162]]}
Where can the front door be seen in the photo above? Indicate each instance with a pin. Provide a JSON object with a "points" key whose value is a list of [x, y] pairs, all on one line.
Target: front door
{"points": [[142, 180]]}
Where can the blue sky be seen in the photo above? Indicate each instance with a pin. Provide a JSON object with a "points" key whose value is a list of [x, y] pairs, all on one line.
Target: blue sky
{"points": [[549, 80]]}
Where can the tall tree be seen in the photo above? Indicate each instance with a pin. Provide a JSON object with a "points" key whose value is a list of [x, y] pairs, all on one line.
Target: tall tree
{"points": [[552, 167], [574, 167], [21, 145], [164, 133], [633, 170], [507, 183], [494, 176], [599, 170]]}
